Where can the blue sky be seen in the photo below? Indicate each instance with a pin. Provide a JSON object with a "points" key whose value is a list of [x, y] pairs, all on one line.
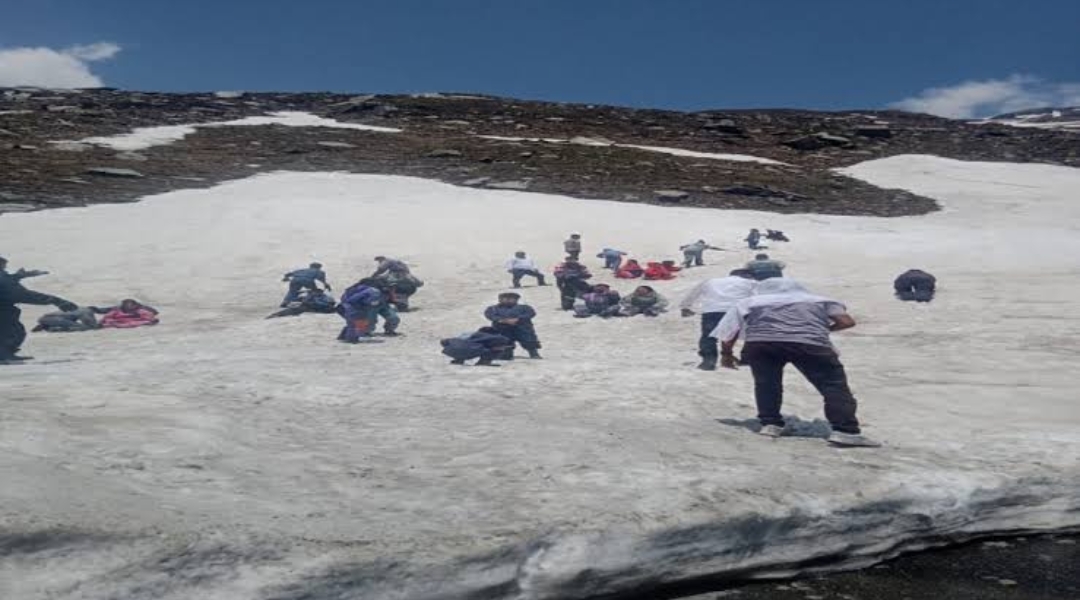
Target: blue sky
{"points": [[980, 55]]}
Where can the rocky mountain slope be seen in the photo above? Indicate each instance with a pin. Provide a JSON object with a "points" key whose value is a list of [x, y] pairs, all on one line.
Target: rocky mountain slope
{"points": [[557, 148]]}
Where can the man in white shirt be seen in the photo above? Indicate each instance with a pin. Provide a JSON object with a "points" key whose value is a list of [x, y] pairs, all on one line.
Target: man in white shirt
{"points": [[714, 298], [520, 265]]}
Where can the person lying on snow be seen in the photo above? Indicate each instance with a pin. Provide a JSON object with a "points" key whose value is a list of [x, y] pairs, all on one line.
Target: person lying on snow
{"points": [[80, 319], [612, 258], [776, 235], [514, 321], [601, 301], [571, 277], [630, 270], [313, 301], [485, 344], [657, 271], [128, 315], [915, 285], [644, 301], [303, 279]]}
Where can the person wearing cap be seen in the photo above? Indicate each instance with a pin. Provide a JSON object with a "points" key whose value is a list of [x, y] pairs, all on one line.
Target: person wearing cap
{"points": [[572, 246], [303, 279], [784, 323], [521, 265], [12, 293], [514, 321], [714, 298], [763, 267]]}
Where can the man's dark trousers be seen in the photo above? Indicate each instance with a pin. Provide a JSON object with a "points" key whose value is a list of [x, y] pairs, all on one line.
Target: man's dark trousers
{"points": [[707, 347], [820, 365]]}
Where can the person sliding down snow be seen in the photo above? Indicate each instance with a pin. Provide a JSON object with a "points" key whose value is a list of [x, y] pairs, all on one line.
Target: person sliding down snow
{"points": [[694, 254], [304, 279], [485, 344], [644, 301], [521, 265], [915, 285], [776, 235], [763, 267], [572, 279], [128, 315], [12, 293], [514, 321], [315, 301], [612, 258], [601, 301], [783, 323], [630, 270]]}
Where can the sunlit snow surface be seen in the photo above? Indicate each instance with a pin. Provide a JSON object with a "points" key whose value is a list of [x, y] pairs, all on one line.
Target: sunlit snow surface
{"points": [[147, 137], [221, 456]]}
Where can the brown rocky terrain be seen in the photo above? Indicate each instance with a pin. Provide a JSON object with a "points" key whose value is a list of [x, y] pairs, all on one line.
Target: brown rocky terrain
{"points": [[441, 139]]}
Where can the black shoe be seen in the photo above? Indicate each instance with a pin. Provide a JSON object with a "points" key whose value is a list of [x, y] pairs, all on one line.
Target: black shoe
{"points": [[457, 361], [707, 364], [534, 354]]}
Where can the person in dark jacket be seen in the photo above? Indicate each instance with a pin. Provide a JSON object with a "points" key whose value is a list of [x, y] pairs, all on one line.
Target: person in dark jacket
{"points": [[612, 258], [12, 293], [753, 239], [485, 344], [763, 267], [601, 301], [514, 321], [314, 301], [571, 277], [303, 279], [83, 318], [361, 305], [384, 265], [915, 285], [776, 235]]}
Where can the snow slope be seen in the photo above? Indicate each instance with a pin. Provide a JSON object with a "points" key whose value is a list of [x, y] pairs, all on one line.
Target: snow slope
{"points": [[221, 456]]}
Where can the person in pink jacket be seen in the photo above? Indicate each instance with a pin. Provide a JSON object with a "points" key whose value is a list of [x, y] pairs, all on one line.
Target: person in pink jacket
{"points": [[128, 315]]}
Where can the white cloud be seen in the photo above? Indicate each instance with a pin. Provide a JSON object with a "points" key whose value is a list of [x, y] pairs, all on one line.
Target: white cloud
{"points": [[974, 99], [45, 67]]}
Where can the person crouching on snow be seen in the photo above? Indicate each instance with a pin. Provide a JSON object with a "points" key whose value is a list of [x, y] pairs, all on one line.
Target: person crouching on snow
{"points": [[361, 305], [520, 265], [644, 301], [601, 301], [783, 323], [514, 321], [484, 344]]}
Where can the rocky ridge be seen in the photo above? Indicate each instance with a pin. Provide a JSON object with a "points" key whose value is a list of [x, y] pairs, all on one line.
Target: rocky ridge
{"points": [[567, 149]]}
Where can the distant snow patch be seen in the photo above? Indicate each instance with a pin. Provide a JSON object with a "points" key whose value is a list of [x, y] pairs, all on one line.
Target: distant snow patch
{"points": [[147, 137], [599, 142]]}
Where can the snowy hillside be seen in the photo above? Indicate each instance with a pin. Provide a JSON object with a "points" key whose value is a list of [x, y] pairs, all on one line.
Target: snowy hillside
{"points": [[224, 457]]}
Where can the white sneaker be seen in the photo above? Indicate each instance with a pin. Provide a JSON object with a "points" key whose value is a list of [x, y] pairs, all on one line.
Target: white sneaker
{"points": [[773, 431], [839, 438]]}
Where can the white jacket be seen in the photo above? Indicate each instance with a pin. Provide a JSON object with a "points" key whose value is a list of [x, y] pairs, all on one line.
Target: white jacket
{"points": [[719, 295], [521, 264]]}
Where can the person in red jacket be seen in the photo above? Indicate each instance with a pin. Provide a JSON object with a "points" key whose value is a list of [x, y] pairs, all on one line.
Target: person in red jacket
{"points": [[656, 271], [630, 270], [128, 315]]}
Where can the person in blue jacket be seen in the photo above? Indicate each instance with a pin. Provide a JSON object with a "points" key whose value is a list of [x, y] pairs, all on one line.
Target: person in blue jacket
{"points": [[361, 305], [304, 279], [316, 301], [514, 321], [484, 344], [612, 258]]}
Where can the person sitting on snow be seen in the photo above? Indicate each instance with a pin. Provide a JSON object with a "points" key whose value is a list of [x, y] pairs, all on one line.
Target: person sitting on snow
{"points": [[521, 265], [631, 269], [612, 258], [694, 254], [601, 301], [486, 344], [763, 267], [514, 321], [313, 301], [915, 285], [657, 271], [303, 279], [644, 301], [128, 315], [571, 277]]}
